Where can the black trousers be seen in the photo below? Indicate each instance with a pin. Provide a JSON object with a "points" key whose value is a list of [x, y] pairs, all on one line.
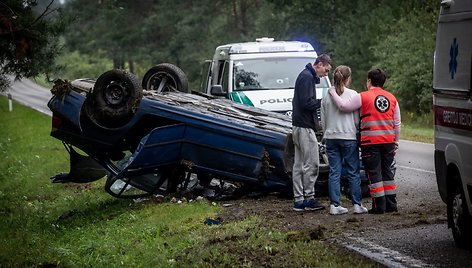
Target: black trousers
{"points": [[379, 165]]}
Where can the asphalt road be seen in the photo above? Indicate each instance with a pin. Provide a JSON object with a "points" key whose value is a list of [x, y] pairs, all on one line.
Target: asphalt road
{"points": [[30, 94], [426, 245], [429, 244]]}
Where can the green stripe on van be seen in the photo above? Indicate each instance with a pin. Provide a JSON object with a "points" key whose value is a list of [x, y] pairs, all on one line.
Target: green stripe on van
{"points": [[241, 98]]}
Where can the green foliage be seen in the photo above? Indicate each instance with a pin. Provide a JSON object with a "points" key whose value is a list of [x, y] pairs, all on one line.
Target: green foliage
{"points": [[417, 127], [310, 21], [158, 33], [355, 31], [76, 65], [172, 37], [395, 35], [407, 56], [29, 41]]}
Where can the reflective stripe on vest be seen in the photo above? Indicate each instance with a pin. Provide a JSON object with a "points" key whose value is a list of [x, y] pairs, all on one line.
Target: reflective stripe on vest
{"points": [[377, 122]]}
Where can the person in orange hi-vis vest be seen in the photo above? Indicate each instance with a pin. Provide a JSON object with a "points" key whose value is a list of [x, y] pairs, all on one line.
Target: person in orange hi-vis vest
{"points": [[379, 134]]}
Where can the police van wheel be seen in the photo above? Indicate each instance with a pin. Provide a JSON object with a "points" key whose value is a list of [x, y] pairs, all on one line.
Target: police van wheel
{"points": [[114, 99], [165, 77], [458, 216]]}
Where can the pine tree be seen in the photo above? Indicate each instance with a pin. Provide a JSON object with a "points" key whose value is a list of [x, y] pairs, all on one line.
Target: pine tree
{"points": [[29, 39]]}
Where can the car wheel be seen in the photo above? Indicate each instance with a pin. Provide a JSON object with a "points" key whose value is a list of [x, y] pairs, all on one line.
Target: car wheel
{"points": [[114, 99], [165, 77], [458, 216]]}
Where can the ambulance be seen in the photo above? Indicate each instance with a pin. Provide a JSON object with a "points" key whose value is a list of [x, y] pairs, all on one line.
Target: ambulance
{"points": [[452, 108], [260, 74]]}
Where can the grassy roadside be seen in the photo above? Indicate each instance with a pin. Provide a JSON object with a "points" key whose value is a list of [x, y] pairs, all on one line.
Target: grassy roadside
{"points": [[417, 133], [417, 127], [71, 225]]}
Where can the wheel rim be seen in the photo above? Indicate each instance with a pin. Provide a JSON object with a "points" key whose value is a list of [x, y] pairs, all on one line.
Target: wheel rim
{"points": [[161, 82], [115, 93], [456, 211]]}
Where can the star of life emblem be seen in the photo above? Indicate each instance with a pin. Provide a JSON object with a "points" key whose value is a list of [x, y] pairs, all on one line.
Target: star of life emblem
{"points": [[382, 104]]}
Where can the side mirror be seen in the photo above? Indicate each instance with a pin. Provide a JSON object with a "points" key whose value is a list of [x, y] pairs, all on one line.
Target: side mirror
{"points": [[447, 3], [217, 90]]}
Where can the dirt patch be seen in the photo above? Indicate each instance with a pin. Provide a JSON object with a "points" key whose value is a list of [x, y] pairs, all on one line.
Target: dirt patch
{"points": [[419, 204], [277, 213]]}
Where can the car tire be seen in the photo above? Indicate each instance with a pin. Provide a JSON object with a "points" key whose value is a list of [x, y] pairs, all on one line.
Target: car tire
{"points": [[165, 77], [458, 215], [114, 99]]}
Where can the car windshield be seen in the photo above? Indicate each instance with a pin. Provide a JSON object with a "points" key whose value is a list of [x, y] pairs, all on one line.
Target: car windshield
{"points": [[269, 73]]}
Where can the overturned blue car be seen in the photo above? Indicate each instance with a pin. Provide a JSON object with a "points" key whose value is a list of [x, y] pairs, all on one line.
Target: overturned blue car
{"points": [[153, 137]]}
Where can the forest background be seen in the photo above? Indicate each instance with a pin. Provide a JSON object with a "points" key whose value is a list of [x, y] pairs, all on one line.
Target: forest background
{"points": [[93, 36]]}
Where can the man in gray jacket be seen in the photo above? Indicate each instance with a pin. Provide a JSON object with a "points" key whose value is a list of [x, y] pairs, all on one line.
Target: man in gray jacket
{"points": [[305, 123]]}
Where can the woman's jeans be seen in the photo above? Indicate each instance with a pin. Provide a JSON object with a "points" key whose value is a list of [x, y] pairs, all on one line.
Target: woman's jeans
{"points": [[343, 154]]}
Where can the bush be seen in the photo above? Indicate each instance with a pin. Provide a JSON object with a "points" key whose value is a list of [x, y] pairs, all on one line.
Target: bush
{"points": [[75, 65]]}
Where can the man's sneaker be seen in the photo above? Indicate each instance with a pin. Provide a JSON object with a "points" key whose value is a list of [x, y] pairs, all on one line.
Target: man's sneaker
{"points": [[299, 206], [313, 204], [360, 209], [337, 210]]}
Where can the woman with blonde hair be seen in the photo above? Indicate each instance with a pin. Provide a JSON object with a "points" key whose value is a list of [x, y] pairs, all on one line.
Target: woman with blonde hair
{"points": [[340, 132]]}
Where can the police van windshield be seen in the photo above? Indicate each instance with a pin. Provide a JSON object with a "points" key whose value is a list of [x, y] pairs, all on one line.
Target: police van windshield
{"points": [[269, 73]]}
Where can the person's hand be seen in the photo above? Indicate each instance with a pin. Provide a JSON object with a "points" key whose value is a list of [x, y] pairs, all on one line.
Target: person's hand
{"points": [[332, 91], [396, 146]]}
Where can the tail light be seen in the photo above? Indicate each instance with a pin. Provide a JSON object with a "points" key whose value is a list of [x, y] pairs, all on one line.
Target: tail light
{"points": [[56, 122]]}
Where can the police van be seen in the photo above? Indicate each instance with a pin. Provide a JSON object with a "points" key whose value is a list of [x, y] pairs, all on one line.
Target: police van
{"points": [[452, 107], [260, 74]]}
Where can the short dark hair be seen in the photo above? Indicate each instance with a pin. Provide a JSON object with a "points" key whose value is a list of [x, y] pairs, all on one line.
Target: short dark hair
{"points": [[325, 59], [377, 77]]}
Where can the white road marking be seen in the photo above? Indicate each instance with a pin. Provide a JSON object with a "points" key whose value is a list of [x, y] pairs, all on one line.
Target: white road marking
{"points": [[383, 255], [417, 169]]}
